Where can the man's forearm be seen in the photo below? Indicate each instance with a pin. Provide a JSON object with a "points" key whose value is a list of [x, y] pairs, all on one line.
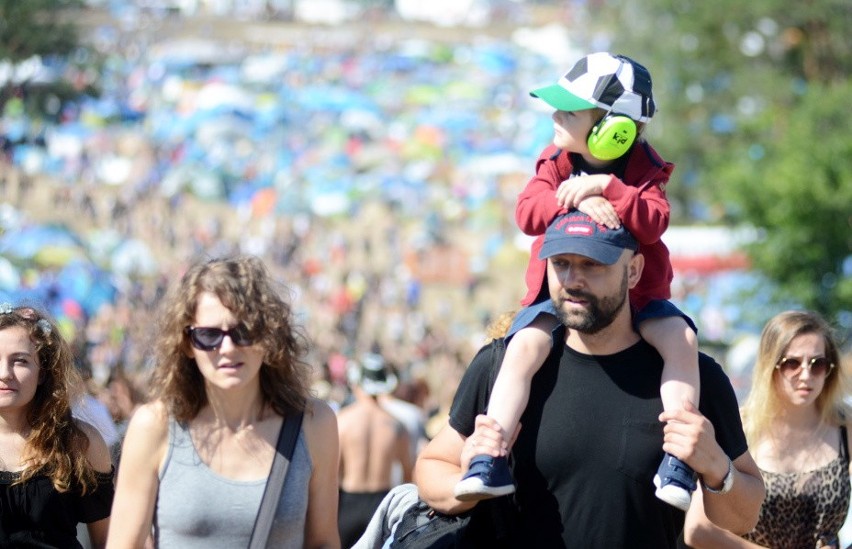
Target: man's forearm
{"points": [[738, 510], [438, 469], [435, 481]]}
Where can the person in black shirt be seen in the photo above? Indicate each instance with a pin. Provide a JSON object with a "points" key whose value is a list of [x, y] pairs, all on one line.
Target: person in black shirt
{"points": [[589, 441], [55, 470]]}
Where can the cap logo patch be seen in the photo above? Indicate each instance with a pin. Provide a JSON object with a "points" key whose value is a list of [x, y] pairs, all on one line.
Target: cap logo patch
{"points": [[577, 233]]}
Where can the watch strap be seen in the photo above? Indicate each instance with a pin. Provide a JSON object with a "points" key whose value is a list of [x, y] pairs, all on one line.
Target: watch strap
{"points": [[727, 482]]}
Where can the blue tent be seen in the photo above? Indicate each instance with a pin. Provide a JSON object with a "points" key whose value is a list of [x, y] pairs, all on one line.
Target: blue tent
{"points": [[27, 242]]}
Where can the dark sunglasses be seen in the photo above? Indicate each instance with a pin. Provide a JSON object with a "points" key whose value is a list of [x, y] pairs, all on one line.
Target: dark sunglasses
{"points": [[208, 339], [791, 367]]}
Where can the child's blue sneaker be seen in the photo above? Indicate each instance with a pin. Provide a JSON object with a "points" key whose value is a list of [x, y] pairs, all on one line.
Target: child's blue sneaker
{"points": [[487, 477], [675, 482]]}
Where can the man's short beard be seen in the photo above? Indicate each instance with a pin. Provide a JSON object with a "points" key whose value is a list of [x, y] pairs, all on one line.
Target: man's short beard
{"points": [[601, 312]]}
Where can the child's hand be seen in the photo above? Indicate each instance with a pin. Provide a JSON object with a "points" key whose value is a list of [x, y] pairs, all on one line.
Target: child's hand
{"points": [[572, 191], [601, 210]]}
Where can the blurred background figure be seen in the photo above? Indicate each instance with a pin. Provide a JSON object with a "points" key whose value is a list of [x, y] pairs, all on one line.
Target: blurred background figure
{"points": [[122, 395], [402, 404], [90, 408], [797, 424], [372, 440]]}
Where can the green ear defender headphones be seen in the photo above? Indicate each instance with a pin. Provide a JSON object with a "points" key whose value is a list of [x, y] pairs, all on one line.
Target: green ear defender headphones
{"points": [[612, 136]]}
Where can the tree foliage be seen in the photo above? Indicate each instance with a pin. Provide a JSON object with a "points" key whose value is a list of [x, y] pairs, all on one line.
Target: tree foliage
{"points": [[36, 27], [41, 31], [753, 110]]}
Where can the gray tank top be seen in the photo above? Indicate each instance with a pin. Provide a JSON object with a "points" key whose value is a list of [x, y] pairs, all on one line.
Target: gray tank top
{"points": [[198, 508]]}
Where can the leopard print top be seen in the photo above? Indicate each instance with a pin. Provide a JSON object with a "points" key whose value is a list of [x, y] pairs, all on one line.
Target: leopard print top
{"points": [[802, 508]]}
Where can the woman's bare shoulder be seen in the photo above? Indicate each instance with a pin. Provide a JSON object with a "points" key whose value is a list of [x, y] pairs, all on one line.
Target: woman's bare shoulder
{"points": [[319, 423], [97, 452], [318, 413], [150, 422]]}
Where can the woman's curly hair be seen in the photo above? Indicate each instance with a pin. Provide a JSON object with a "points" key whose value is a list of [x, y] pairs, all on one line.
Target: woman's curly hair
{"points": [[244, 286], [56, 446]]}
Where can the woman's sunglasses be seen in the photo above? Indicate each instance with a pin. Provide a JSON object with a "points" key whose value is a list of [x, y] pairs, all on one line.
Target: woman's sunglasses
{"points": [[791, 367], [208, 339]]}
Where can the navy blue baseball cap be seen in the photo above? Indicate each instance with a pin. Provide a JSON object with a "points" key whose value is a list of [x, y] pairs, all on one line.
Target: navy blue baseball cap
{"points": [[577, 233]]}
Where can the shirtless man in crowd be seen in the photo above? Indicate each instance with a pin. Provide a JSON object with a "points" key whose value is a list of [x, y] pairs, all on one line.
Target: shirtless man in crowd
{"points": [[372, 442]]}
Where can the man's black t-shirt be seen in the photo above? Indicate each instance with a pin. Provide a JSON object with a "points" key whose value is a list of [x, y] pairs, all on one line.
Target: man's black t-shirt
{"points": [[590, 443]]}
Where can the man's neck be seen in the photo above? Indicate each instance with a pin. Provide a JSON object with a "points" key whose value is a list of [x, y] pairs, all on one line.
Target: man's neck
{"points": [[616, 337]]}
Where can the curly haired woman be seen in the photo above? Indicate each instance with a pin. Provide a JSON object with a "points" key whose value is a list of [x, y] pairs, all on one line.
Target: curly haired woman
{"points": [[55, 471], [797, 426], [230, 367]]}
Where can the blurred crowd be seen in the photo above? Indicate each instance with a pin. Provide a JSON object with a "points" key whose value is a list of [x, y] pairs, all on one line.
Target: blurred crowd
{"points": [[374, 171], [375, 176]]}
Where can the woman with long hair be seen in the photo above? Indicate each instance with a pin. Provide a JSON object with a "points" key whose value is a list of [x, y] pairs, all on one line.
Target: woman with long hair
{"points": [[230, 368], [796, 423], [55, 470]]}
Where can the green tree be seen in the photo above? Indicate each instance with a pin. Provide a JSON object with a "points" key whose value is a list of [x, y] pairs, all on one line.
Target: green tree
{"points": [[41, 30], [754, 99]]}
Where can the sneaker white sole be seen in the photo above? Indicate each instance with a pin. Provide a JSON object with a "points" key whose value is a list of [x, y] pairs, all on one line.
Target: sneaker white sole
{"points": [[673, 495], [473, 489]]}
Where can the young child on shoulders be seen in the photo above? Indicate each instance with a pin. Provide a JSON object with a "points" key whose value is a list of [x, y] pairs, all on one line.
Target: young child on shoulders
{"points": [[599, 164]]}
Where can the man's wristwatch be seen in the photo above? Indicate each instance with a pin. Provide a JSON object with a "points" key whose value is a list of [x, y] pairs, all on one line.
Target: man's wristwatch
{"points": [[727, 482]]}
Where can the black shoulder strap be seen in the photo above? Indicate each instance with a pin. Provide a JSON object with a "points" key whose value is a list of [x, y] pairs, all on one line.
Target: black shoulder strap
{"points": [[275, 483], [844, 443]]}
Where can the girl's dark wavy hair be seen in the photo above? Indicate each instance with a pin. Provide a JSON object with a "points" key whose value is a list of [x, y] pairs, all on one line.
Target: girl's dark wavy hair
{"points": [[245, 287], [56, 446]]}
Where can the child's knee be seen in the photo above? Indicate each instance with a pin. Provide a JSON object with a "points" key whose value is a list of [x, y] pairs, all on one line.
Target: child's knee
{"points": [[532, 337], [691, 337]]}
